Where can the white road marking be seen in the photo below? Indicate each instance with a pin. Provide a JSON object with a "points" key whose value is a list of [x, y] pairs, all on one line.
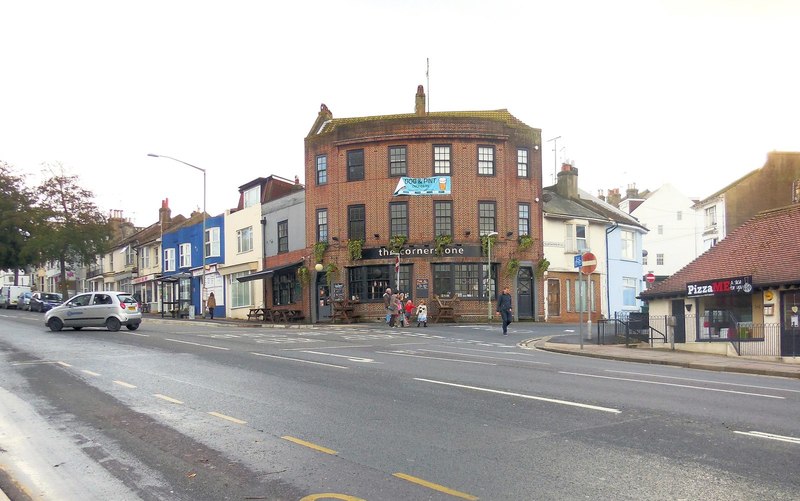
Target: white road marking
{"points": [[329, 347], [63, 364], [90, 372], [198, 344], [522, 395], [770, 436], [673, 384], [123, 383], [487, 356], [137, 334], [434, 358], [348, 357], [704, 381], [298, 360]]}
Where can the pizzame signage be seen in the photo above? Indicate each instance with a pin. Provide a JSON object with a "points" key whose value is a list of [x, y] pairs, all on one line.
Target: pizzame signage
{"points": [[736, 285]]}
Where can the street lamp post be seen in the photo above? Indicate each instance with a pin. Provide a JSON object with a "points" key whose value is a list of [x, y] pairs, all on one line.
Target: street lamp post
{"points": [[203, 237], [489, 273]]}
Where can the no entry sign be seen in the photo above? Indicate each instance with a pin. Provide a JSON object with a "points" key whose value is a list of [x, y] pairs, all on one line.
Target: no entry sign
{"points": [[588, 263], [650, 278]]}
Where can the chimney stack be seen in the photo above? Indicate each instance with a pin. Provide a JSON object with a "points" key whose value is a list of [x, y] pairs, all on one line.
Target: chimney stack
{"points": [[419, 103], [601, 195], [632, 191], [164, 213], [614, 197], [567, 184]]}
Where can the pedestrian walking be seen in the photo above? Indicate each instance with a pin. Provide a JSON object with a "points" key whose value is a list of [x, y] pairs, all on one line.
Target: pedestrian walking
{"points": [[422, 313], [409, 310], [211, 303], [504, 309], [387, 300], [401, 312], [394, 308]]}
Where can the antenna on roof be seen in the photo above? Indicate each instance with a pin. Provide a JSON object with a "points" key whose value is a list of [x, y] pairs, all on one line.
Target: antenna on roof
{"points": [[428, 81]]}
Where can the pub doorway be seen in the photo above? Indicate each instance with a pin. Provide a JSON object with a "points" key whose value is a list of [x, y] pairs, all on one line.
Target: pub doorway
{"points": [[323, 300], [525, 293]]}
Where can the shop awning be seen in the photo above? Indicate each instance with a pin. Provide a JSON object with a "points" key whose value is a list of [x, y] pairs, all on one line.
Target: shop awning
{"points": [[264, 273], [238, 268]]}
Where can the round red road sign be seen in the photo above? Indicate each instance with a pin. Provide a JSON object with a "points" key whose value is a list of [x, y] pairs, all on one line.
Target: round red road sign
{"points": [[589, 263], [650, 278]]}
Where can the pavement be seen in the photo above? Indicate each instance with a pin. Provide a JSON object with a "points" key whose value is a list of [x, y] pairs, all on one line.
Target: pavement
{"points": [[643, 353]]}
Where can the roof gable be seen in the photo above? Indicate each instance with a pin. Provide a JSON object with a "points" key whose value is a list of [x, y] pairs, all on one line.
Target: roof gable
{"points": [[765, 247]]}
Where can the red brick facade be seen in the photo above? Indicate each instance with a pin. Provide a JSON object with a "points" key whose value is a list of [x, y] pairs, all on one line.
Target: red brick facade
{"points": [[464, 132]]}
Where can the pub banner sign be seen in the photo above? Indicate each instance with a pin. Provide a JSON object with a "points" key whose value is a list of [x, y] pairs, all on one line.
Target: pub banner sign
{"points": [[721, 287]]}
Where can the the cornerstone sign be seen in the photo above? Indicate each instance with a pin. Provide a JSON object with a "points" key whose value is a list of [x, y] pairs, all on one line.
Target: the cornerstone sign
{"points": [[423, 252], [723, 286]]}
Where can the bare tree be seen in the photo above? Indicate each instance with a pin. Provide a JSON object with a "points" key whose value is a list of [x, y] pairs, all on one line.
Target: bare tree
{"points": [[72, 229]]}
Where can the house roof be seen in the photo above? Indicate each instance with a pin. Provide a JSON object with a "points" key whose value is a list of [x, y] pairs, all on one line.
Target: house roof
{"points": [[765, 248], [585, 206], [502, 115]]}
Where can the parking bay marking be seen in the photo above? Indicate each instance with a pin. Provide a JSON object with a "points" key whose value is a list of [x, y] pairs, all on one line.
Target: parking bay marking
{"points": [[522, 395], [674, 384]]}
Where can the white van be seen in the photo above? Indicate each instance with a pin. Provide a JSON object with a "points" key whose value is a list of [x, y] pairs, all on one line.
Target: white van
{"points": [[9, 294]]}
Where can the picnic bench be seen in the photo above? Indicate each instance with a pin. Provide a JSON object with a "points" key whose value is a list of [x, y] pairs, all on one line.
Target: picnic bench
{"points": [[259, 314], [344, 311], [445, 309]]}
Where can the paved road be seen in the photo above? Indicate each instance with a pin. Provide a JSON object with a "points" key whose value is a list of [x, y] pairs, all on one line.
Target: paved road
{"points": [[180, 410]]}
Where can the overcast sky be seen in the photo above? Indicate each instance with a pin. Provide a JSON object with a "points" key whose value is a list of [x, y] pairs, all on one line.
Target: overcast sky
{"points": [[693, 92]]}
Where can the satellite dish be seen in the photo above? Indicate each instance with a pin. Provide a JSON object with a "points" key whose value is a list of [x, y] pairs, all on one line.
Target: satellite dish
{"points": [[547, 196]]}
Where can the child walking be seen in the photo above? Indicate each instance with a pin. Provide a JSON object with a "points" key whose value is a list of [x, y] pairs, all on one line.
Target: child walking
{"points": [[409, 310], [422, 313]]}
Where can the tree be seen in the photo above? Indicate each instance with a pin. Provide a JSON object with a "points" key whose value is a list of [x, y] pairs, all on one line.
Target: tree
{"points": [[72, 228], [16, 220]]}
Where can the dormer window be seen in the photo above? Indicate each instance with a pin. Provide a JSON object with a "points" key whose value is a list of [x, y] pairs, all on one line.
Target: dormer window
{"points": [[252, 196]]}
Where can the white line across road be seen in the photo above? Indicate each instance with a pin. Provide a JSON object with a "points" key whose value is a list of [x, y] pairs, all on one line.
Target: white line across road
{"points": [[522, 395], [660, 383], [198, 344], [486, 356], [298, 360], [770, 436], [399, 354], [703, 381], [351, 358]]}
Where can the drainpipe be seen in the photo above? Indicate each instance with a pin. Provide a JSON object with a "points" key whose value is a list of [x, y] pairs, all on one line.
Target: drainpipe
{"points": [[608, 274]]}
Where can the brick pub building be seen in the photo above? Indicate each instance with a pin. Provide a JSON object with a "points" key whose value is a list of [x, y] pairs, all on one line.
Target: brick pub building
{"points": [[454, 194]]}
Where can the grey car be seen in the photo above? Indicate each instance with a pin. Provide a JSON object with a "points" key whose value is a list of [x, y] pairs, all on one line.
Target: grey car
{"points": [[109, 309]]}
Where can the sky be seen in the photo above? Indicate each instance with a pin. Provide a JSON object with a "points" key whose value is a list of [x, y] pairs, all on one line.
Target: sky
{"points": [[689, 92]]}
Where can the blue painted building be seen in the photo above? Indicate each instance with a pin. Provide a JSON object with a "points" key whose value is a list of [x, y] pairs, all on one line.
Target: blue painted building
{"points": [[183, 267]]}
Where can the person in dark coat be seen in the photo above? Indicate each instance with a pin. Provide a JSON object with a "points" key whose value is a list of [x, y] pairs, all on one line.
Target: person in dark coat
{"points": [[211, 303], [504, 309]]}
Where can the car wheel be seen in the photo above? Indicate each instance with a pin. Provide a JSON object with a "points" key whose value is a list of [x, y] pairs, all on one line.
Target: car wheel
{"points": [[132, 327], [113, 324], [55, 324]]}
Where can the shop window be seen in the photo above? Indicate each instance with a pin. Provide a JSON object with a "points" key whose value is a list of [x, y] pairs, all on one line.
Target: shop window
{"points": [[286, 288], [467, 280]]}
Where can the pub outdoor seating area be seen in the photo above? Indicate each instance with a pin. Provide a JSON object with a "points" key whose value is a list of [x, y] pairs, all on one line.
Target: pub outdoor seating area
{"points": [[344, 311], [275, 315]]}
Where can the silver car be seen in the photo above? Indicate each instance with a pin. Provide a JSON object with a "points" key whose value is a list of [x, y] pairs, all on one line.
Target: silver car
{"points": [[109, 309]]}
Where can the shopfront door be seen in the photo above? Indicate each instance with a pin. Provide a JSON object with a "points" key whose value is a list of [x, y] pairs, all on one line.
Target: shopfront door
{"points": [[680, 320], [790, 324]]}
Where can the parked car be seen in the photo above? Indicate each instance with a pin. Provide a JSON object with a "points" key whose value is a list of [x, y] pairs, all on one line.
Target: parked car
{"points": [[109, 309], [24, 301], [43, 301], [9, 295]]}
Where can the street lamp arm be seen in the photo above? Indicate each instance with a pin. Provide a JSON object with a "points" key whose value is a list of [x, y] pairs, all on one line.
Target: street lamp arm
{"points": [[177, 160]]}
